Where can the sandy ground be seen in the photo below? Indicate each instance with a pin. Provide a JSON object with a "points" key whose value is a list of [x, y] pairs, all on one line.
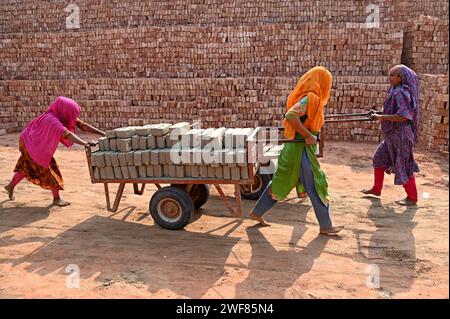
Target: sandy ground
{"points": [[125, 255]]}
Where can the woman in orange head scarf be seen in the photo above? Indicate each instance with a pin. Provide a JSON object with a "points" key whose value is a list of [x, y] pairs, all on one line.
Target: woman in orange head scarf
{"points": [[297, 164], [316, 86]]}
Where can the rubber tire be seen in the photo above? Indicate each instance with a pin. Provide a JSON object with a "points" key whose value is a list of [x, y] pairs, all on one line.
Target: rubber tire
{"points": [[181, 197], [265, 179], [203, 195]]}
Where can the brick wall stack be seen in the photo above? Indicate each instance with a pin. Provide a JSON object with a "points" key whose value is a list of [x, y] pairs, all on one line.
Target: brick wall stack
{"points": [[434, 112], [8, 120], [186, 52], [426, 45], [24, 16], [228, 64], [230, 102]]}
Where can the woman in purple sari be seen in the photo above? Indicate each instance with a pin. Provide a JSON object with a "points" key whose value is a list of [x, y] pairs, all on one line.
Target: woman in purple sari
{"points": [[399, 123]]}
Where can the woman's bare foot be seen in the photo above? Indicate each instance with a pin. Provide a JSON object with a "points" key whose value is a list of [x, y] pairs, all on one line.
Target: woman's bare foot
{"points": [[10, 192], [259, 219], [332, 231], [369, 192], [60, 203]]}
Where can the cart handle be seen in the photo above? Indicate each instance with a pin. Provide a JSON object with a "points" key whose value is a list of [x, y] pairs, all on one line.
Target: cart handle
{"points": [[367, 114], [93, 143], [89, 145]]}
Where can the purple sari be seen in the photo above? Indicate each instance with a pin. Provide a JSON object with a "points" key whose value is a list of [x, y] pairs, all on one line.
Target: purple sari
{"points": [[395, 153]]}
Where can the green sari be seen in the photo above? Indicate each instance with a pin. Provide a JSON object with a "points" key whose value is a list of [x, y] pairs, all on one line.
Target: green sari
{"points": [[287, 174]]}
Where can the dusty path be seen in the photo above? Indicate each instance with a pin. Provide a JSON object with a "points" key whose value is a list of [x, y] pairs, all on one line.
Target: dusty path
{"points": [[126, 255]]}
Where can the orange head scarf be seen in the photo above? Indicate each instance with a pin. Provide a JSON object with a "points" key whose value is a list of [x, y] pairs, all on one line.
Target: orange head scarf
{"points": [[316, 84]]}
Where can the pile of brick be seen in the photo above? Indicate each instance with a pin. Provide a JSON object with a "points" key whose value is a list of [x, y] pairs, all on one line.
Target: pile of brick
{"points": [[434, 118], [227, 64], [407, 11], [426, 45], [239, 102], [242, 102], [8, 122], [50, 16], [195, 52], [356, 95], [172, 151]]}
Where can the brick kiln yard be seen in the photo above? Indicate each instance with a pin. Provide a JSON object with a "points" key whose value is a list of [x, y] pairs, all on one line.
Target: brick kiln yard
{"points": [[229, 64], [126, 255]]}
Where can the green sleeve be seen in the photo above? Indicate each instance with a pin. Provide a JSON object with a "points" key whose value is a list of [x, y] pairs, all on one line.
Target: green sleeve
{"points": [[298, 110]]}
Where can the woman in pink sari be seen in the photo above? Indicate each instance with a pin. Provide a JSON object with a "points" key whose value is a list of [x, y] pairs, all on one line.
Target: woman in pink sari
{"points": [[38, 143]]}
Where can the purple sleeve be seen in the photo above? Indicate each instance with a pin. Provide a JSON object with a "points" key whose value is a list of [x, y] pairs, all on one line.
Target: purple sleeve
{"points": [[403, 105]]}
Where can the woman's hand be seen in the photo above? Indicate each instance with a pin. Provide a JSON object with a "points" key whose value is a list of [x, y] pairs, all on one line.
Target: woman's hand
{"points": [[311, 140], [377, 117]]}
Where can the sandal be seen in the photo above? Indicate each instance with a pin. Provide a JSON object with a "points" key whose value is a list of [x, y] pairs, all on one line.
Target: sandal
{"points": [[406, 202], [259, 219], [332, 231], [369, 192]]}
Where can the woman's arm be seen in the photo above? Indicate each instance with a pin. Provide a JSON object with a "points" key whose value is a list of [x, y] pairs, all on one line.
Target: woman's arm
{"points": [[298, 127], [74, 138], [293, 118], [89, 128]]}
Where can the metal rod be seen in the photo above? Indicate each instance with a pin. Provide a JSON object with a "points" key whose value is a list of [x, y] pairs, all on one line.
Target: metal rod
{"points": [[225, 200], [237, 194], [346, 115], [349, 120], [136, 189], [353, 114], [108, 203], [117, 199]]}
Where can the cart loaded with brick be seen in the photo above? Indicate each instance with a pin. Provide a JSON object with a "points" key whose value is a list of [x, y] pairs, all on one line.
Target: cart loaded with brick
{"points": [[188, 160]]}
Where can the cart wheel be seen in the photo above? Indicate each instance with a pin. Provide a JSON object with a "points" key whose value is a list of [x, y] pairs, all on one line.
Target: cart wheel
{"points": [[171, 207], [199, 193], [255, 190]]}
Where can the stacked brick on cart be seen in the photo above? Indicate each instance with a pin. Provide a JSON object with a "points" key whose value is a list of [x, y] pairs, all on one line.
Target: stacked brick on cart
{"points": [[172, 151]]}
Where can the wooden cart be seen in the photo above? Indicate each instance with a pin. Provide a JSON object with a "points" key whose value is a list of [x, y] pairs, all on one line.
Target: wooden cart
{"points": [[172, 206]]}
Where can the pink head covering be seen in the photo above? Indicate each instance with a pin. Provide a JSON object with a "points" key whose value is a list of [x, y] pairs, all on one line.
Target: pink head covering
{"points": [[42, 135]]}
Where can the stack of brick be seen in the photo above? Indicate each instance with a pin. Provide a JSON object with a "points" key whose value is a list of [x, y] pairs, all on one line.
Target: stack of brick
{"points": [[434, 128], [356, 95], [426, 45], [241, 102], [172, 151], [196, 52], [407, 11], [8, 119], [49, 16], [228, 64]]}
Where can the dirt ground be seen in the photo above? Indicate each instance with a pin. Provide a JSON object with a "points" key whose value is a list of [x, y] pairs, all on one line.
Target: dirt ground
{"points": [[125, 255]]}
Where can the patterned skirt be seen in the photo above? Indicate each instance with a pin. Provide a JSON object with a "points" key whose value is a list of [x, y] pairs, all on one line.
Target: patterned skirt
{"points": [[47, 178]]}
